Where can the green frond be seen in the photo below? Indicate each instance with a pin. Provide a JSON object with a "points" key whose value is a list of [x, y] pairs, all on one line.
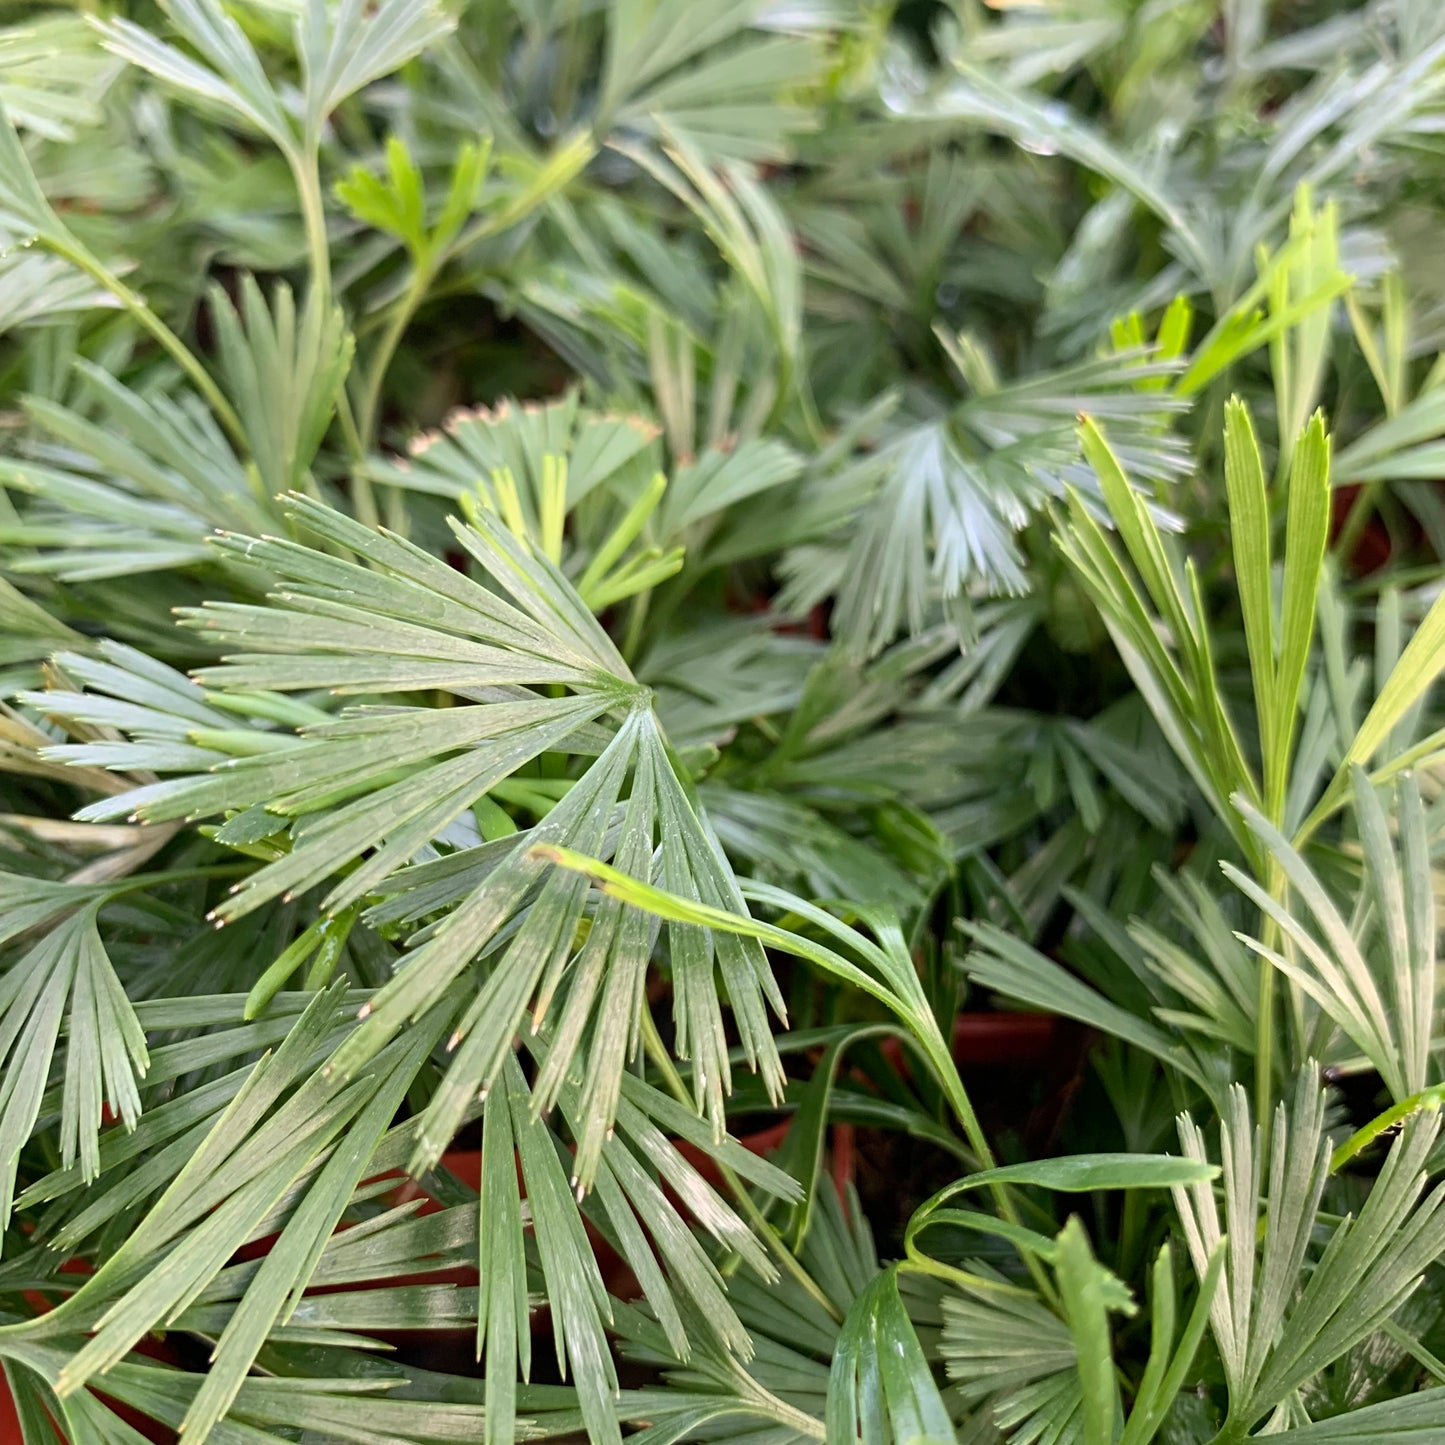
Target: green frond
{"points": [[678, 678]]}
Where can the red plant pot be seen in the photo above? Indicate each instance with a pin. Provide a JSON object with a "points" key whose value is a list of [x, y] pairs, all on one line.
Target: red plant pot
{"points": [[765, 1141], [9, 1417], [1372, 547], [991, 1040], [153, 1346]]}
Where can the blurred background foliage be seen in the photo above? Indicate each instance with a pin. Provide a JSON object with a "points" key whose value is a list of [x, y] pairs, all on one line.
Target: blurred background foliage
{"points": [[859, 463]]}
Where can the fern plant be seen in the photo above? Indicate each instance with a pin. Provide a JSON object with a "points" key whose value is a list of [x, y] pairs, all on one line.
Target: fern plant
{"points": [[589, 595]]}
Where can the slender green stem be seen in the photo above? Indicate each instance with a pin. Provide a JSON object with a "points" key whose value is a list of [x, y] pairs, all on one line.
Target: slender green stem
{"points": [[1264, 1049], [177, 349], [363, 497], [1264, 1021], [104, 893], [1412, 1346], [920, 1263], [1335, 796], [349, 430], [1427, 1099], [174, 875], [662, 1060], [769, 1407], [1357, 518], [1266, 1012], [962, 1105], [306, 171], [396, 324], [918, 1018], [636, 620]]}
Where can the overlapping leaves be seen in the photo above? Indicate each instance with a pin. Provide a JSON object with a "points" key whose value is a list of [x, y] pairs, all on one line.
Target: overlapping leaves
{"points": [[1276, 1323], [942, 503], [363, 795], [341, 49]]}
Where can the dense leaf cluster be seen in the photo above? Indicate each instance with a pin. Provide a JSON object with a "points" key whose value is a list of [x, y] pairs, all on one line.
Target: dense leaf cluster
{"points": [[575, 578]]}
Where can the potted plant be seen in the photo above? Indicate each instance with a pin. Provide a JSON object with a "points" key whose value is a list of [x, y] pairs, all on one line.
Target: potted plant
{"points": [[717, 722]]}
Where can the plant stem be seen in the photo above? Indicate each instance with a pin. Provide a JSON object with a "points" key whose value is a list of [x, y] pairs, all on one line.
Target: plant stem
{"points": [[401, 314], [1356, 519], [363, 498], [662, 1060], [962, 1105], [306, 171], [1264, 1026], [175, 875], [349, 430], [636, 618], [1427, 1099], [770, 1407], [920, 1263], [1264, 1050], [177, 349], [954, 1090]]}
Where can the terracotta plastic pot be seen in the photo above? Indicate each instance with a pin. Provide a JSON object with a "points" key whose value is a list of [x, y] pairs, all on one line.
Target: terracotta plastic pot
{"points": [[153, 1346], [1003, 1038], [1372, 548], [989, 1040], [764, 1141], [9, 1418]]}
